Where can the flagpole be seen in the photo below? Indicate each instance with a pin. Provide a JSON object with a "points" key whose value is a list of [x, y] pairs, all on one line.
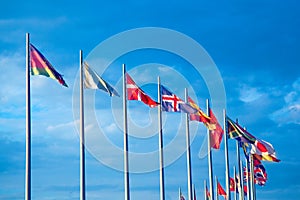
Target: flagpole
{"points": [[252, 178], [209, 156], [28, 124], [217, 194], [188, 151], [241, 189], [179, 194], [234, 177], [226, 158], [82, 138], [160, 143], [248, 180], [194, 192], [205, 194], [242, 181], [126, 165]]}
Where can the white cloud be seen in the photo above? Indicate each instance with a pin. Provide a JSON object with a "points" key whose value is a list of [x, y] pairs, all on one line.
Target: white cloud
{"points": [[290, 112], [249, 94]]}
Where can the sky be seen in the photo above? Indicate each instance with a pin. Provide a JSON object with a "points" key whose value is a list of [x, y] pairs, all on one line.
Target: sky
{"points": [[242, 55]]}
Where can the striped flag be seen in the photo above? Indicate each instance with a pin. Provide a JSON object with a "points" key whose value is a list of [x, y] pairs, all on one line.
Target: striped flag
{"points": [[264, 151], [199, 116], [41, 66], [93, 81]]}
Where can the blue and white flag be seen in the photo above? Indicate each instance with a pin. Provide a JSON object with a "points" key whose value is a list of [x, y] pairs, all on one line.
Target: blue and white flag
{"points": [[171, 103]]}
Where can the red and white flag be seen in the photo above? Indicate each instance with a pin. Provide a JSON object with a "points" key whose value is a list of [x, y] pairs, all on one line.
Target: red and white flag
{"points": [[136, 93]]}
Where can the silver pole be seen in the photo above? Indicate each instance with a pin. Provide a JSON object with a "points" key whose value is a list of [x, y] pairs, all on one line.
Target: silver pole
{"points": [[82, 139], [226, 158], [217, 194], [188, 151], [234, 177], [160, 143], [28, 124], [248, 179], [253, 194], [205, 195], [209, 156], [241, 193], [126, 165]]}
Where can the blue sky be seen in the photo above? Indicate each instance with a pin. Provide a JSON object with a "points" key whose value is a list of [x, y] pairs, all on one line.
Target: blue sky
{"points": [[254, 45]]}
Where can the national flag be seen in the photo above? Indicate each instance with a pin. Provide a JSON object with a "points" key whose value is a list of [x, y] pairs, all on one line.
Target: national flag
{"points": [[93, 81], [245, 190], [181, 195], [216, 133], [41, 66], [232, 185], [136, 93], [199, 116], [259, 171], [264, 151], [171, 103], [235, 131], [207, 193], [221, 191]]}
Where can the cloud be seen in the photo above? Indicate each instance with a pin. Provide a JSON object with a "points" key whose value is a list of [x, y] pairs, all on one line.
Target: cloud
{"points": [[249, 94], [290, 112]]}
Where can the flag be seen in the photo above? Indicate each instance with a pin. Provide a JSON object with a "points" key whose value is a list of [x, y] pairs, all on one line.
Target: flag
{"points": [[232, 185], [136, 93], [264, 151], [245, 190], [207, 193], [216, 133], [221, 191], [235, 131], [259, 172], [199, 116], [181, 195], [171, 103], [93, 81], [41, 66]]}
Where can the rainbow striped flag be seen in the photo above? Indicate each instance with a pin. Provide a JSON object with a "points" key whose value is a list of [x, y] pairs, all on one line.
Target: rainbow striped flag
{"points": [[41, 66]]}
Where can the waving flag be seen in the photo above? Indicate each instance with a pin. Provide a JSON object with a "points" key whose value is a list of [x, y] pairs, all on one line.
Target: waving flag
{"points": [[136, 93], [94, 81], [259, 171], [221, 191], [171, 103], [207, 193], [235, 131], [216, 133], [232, 185], [41, 66], [264, 151], [199, 116]]}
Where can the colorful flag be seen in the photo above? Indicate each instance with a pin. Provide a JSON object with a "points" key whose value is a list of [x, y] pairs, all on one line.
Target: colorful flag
{"points": [[199, 116], [245, 190], [171, 103], [235, 131], [136, 93], [221, 191], [259, 172], [41, 66], [93, 81], [216, 133], [264, 151]]}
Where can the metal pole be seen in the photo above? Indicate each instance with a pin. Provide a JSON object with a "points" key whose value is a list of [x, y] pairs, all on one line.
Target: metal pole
{"points": [[205, 195], [188, 151], [28, 124], [126, 165], [160, 143], [241, 193], [234, 177], [209, 156], [253, 194], [248, 180], [217, 193], [82, 139], [226, 158]]}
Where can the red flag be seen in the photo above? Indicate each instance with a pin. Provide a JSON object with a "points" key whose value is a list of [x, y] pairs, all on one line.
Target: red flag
{"points": [[207, 193], [232, 185], [199, 116], [136, 93], [216, 134], [221, 191]]}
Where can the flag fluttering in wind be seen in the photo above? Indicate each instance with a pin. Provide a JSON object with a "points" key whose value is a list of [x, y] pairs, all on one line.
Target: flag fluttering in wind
{"points": [[259, 172], [221, 191], [207, 193], [235, 131], [93, 81], [136, 93], [264, 151], [171, 103], [199, 116], [232, 185], [216, 133], [41, 66]]}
